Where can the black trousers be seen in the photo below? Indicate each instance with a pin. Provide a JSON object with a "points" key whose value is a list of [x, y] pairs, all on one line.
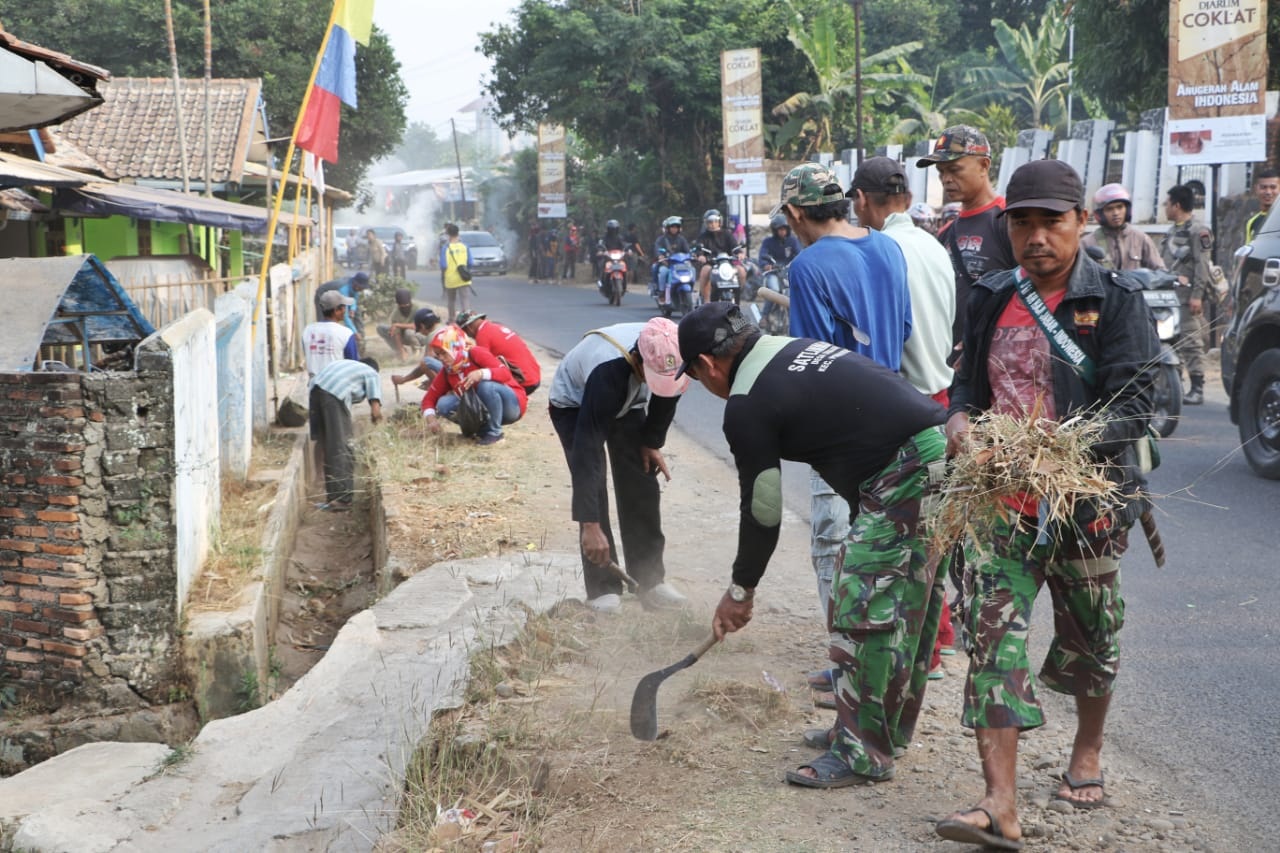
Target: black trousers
{"points": [[638, 498], [331, 426]]}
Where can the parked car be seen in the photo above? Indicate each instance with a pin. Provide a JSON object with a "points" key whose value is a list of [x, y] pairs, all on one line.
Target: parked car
{"points": [[340, 235], [387, 234], [487, 254], [1251, 348]]}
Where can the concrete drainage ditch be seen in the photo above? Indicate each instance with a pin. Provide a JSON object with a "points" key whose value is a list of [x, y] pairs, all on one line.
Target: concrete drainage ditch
{"points": [[319, 768]]}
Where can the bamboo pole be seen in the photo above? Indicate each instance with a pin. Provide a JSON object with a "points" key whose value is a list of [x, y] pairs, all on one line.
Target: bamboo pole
{"points": [[177, 95]]}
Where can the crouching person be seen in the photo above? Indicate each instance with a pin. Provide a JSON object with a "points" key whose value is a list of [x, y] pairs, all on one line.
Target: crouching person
{"points": [[467, 367]]}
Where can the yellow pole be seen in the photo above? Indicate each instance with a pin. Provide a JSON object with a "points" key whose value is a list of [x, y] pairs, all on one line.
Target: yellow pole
{"points": [[274, 219]]}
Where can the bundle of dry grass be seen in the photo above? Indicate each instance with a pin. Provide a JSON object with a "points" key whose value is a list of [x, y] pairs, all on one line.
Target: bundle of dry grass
{"points": [[1010, 457]]}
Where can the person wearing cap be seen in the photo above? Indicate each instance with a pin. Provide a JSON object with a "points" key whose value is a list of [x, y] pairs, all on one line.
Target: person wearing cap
{"points": [[617, 389], [454, 254], [878, 443], [1062, 337], [333, 392], [328, 339], [848, 288], [505, 344], [351, 288], [425, 324], [398, 330], [466, 366], [976, 240], [881, 200]]}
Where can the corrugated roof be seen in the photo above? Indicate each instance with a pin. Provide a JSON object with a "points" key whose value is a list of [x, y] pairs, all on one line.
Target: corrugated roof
{"points": [[21, 172], [134, 134]]}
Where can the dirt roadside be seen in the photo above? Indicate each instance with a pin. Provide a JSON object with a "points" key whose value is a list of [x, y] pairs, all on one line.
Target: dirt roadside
{"points": [[714, 779]]}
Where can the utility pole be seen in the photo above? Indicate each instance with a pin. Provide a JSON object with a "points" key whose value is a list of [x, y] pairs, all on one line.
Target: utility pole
{"points": [[177, 96], [457, 158], [857, 75], [208, 107]]}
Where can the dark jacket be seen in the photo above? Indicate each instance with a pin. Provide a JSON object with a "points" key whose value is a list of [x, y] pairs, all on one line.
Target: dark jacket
{"points": [[1121, 341]]}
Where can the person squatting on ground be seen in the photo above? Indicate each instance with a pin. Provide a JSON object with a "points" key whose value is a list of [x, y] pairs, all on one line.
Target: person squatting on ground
{"points": [[882, 201], [1188, 253], [334, 390], [1123, 246], [506, 345], [1103, 369], [425, 323], [467, 367], [454, 255], [848, 288], [878, 443], [329, 340], [351, 288], [975, 239], [398, 332], [617, 388]]}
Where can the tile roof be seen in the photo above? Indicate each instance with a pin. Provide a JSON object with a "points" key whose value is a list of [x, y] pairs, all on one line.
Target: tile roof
{"points": [[134, 134]]}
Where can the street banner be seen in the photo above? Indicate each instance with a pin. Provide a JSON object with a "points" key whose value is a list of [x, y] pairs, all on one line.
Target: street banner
{"points": [[1217, 82], [552, 183], [743, 125]]}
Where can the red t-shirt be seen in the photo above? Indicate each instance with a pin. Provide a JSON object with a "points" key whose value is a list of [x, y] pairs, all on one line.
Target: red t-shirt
{"points": [[1020, 366], [448, 382], [503, 342]]}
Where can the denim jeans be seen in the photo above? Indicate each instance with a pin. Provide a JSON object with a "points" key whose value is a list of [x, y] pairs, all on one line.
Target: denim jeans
{"points": [[500, 401]]}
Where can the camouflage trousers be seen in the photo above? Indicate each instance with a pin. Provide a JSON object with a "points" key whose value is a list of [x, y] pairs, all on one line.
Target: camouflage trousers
{"points": [[887, 598], [1002, 582]]}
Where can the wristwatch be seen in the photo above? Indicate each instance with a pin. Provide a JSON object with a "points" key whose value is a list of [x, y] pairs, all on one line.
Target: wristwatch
{"points": [[740, 593]]}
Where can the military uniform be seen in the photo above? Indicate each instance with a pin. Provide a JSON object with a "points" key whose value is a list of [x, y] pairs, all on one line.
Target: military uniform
{"points": [[1188, 252], [1125, 248]]}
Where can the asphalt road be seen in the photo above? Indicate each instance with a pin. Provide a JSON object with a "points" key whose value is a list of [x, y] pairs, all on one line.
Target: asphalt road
{"points": [[1199, 693]]}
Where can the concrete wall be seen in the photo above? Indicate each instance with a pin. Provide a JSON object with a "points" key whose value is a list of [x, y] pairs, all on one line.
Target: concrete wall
{"points": [[191, 347], [236, 380]]}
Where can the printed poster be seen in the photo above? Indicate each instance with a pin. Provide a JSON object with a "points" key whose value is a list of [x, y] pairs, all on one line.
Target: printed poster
{"points": [[743, 123], [552, 180]]}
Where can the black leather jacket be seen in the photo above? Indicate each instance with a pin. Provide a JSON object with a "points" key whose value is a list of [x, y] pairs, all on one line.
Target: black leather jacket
{"points": [[1106, 315]]}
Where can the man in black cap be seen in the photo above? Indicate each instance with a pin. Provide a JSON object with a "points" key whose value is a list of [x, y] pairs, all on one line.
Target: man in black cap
{"points": [[350, 288], [398, 331], [976, 239], [876, 441], [1060, 337], [425, 323]]}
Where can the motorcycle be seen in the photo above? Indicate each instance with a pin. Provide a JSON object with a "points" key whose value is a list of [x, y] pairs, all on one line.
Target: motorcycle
{"points": [[1160, 290], [681, 284], [613, 275], [725, 286], [774, 317]]}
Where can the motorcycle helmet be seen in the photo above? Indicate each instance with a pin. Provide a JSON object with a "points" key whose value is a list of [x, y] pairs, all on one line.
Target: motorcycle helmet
{"points": [[950, 211], [777, 222], [710, 215], [1108, 194], [673, 222], [921, 212], [612, 225]]}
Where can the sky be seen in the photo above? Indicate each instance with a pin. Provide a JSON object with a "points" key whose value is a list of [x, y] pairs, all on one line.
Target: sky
{"points": [[436, 44]]}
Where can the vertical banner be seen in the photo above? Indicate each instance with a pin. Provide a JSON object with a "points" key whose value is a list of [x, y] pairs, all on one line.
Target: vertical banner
{"points": [[1217, 81], [552, 182], [743, 125]]}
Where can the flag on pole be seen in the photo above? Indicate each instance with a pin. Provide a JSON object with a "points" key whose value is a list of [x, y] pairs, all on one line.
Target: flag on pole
{"points": [[313, 170], [335, 79]]}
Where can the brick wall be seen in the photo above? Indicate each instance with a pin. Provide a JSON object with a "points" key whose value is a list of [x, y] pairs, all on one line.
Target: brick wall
{"points": [[87, 585]]}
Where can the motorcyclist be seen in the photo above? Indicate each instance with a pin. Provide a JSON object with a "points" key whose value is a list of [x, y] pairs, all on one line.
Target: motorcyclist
{"points": [[669, 242], [713, 241], [922, 216], [1123, 246], [612, 239], [780, 246]]}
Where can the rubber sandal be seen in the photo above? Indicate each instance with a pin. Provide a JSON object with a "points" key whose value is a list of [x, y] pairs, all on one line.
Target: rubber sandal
{"points": [[824, 699], [954, 829], [1076, 784], [818, 738], [820, 679], [832, 772]]}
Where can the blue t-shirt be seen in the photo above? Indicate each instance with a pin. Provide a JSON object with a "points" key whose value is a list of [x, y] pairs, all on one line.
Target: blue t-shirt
{"points": [[839, 281]]}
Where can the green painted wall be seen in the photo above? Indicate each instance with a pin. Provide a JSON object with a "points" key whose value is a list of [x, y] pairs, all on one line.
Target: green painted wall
{"points": [[167, 238], [112, 237]]}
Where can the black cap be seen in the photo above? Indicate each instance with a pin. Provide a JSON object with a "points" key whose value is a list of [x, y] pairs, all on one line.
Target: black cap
{"points": [[879, 175], [705, 327], [1048, 184], [425, 317], [403, 296]]}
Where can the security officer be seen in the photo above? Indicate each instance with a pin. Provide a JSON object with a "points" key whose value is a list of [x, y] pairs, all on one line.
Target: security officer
{"points": [[1188, 253]]}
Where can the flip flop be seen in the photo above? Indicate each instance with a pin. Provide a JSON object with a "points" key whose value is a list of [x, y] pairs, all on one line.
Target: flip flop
{"points": [[954, 829], [832, 772], [1076, 784], [818, 738]]}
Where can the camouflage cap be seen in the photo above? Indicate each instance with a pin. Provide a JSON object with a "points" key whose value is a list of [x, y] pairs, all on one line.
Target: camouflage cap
{"points": [[807, 185], [956, 142]]}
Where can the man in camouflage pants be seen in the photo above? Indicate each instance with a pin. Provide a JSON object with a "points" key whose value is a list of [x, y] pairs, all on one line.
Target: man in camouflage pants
{"points": [[878, 444], [1187, 251], [1059, 337]]}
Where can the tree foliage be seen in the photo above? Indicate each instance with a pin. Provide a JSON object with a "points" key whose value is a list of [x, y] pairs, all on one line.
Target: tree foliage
{"points": [[275, 41], [1033, 71]]}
